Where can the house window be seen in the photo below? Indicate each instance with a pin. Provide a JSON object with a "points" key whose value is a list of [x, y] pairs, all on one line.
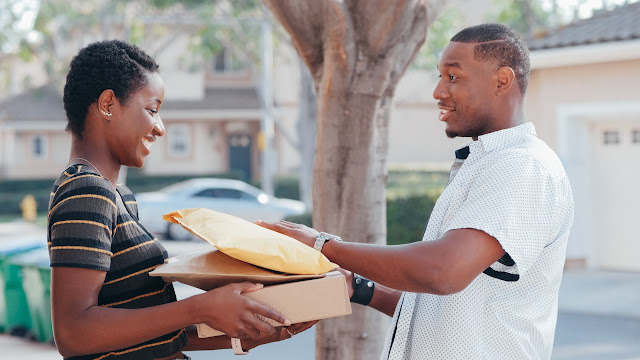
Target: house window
{"points": [[636, 137], [39, 146], [179, 137], [225, 62], [611, 137]]}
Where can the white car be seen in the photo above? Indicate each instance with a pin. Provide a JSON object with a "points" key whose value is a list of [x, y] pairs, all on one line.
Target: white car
{"points": [[233, 197]]}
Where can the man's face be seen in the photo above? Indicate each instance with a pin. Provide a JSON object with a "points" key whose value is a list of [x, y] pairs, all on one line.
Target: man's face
{"points": [[465, 92]]}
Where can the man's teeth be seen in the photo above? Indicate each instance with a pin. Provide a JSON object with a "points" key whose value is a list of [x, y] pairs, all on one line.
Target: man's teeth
{"points": [[444, 111], [146, 143]]}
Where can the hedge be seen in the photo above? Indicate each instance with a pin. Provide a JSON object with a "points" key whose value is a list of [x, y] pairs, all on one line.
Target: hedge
{"points": [[407, 212], [406, 218], [13, 191]]}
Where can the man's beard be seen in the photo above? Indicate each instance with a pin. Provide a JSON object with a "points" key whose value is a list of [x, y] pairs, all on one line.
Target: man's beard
{"points": [[480, 126]]}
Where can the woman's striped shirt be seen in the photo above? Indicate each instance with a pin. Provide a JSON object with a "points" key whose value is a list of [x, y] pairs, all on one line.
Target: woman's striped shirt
{"points": [[92, 225]]}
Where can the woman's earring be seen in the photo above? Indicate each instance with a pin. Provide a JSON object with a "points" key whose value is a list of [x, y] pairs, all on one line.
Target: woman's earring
{"points": [[105, 113]]}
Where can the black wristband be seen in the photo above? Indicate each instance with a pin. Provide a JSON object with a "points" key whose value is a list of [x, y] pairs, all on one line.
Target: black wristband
{"points": [[362, 290]]}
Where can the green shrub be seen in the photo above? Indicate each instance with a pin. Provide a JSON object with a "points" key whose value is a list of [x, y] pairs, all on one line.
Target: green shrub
{"points": [[285, 187], [13, 191], [305, 219], [406, 218], [138, 182]]}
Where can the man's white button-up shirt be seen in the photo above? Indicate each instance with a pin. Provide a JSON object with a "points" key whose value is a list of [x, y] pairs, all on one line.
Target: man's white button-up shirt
{"points": [[513, 187]]}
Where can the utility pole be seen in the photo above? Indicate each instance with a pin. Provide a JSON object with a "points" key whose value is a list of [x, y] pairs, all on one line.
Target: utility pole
{"points": [[266, 121]]}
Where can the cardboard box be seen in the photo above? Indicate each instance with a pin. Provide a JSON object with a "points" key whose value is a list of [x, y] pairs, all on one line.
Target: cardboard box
{"points": [[299, 298], [300, 301]]}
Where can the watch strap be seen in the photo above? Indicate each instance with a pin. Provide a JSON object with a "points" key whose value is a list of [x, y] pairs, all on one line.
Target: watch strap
{"points": [[236, 345], [322, 238]]}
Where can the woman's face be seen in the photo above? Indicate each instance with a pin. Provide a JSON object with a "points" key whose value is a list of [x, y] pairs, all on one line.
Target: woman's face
{"points": [[137, 123]]}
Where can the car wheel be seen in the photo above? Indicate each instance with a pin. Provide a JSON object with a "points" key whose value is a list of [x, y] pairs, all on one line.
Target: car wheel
{"points": [[177, 232]]}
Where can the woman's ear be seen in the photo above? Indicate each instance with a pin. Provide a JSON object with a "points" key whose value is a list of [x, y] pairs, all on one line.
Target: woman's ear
{"points": [[506, 78], [106, 101]]}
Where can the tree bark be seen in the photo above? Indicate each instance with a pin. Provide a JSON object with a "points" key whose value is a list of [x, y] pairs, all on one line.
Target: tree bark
{"points": [[356, 52], [529, 17], [306, 130]]}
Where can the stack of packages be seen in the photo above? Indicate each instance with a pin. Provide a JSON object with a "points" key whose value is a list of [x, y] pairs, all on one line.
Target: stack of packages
{"points": [[299, 281]]}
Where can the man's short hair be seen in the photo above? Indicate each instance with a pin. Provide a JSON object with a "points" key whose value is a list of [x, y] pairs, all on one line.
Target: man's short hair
{"points": [[499, 44]]}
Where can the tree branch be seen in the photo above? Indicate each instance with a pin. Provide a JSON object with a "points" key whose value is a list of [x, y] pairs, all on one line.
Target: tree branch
{"points": [[303, 20]]}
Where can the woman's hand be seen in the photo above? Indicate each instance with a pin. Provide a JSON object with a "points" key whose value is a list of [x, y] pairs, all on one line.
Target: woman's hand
{"points": [[302, 233], [227, 310], [281, 333]]}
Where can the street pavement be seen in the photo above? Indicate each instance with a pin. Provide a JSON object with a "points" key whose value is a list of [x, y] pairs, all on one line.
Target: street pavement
{"points": [[599, 317]]}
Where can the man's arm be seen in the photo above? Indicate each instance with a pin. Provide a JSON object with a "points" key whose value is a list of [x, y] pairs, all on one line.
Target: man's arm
{"points": [[385, 299], [444, 266]]}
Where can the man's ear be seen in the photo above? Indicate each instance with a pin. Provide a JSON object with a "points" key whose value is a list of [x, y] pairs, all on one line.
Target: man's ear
{"points": [[506, 79], [106, 102]]}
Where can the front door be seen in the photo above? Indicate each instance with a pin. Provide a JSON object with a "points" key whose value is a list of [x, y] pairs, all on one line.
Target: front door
{"points": [[240, 155]]}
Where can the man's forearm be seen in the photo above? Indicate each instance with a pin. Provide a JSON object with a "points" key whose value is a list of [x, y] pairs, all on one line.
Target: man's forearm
{"points": [[442, 267], [385, 299], [396, 267]]}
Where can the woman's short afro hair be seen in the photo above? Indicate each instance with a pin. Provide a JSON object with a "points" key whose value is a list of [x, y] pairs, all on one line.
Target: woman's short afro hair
{"points": [[103, 65]]}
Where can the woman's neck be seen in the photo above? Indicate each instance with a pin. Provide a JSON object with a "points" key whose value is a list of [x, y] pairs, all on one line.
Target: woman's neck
{"points": [[95, 155]]}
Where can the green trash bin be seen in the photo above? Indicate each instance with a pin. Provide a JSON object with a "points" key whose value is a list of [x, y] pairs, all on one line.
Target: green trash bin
{"points": [[36, 282], [14, 312]]}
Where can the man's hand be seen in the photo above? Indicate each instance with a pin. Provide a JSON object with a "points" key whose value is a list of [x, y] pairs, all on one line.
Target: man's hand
{"points": [[302, 233]]}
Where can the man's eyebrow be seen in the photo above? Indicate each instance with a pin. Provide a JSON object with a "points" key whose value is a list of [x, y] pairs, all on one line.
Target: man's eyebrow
{"points": [[454, 64], [156, 100]]}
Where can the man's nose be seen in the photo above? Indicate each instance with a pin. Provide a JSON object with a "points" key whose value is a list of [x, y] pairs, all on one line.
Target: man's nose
{"points": [[440, 92]]}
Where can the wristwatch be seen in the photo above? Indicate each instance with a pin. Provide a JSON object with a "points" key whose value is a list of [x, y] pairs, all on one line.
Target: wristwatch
{"points": [[322, 238]]}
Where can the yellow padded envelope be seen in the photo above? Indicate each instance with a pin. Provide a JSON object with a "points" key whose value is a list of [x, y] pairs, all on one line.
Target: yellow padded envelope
{"points": [[246, 241]]}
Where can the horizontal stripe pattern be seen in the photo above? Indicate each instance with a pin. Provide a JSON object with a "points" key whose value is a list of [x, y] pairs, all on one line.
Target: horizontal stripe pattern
{"points": [[92, 226]]}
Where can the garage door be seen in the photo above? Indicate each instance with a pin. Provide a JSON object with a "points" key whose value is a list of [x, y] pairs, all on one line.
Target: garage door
{"points": [[616, 194]]}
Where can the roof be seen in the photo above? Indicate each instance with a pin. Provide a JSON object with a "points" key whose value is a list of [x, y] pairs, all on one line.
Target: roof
{"points": [[43, 103], [619, 24], [219, 99]]}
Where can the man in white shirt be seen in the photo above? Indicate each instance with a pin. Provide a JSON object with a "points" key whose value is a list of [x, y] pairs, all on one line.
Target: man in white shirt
{"points": [[483, 283]]}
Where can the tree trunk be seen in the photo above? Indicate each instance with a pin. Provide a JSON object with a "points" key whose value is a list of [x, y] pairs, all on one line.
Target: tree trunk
{"points": [[306, 129], [529, 17], [356, 52]]}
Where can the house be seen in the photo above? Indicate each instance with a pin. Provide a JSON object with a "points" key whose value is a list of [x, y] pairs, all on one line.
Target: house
{"points": [[211, 113], [33, 142], [584, 100]]}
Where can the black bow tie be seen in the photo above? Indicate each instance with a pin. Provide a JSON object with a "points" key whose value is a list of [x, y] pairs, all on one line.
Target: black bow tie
{"points": [[462, 153]]}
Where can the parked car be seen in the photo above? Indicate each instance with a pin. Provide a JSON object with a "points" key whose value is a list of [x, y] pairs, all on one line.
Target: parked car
{"points": [[233, 197]]}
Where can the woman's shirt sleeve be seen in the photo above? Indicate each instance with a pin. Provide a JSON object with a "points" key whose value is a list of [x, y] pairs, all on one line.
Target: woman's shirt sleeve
{"points": [[82, 221]]}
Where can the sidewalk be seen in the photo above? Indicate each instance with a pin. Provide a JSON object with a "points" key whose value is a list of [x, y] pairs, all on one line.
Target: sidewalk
{"points": [[600, 292]]}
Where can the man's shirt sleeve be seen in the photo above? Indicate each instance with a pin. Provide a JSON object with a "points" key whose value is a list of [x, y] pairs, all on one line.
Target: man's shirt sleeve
{"points": [[516, 201]]}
